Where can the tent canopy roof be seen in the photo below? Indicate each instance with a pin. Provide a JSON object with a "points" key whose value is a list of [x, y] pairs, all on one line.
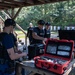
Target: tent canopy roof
{"points": [[8, 4]]}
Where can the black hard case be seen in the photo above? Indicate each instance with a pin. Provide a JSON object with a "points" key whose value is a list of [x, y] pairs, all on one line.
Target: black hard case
{"points": [[35, 50]]}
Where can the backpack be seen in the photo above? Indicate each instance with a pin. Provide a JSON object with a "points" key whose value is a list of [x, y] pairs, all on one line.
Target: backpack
{"points": [[2, 48]]}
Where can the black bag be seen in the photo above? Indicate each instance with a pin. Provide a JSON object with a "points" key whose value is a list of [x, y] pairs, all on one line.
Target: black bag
{"points": [[2, 53], [35, 50]]}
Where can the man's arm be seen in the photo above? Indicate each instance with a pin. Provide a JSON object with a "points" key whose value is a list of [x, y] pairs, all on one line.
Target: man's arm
{"points": [[14, 55], [27, 32], [35, 36]]}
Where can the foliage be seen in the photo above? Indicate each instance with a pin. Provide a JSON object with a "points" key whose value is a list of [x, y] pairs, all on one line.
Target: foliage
{"points": [[59, 13]]}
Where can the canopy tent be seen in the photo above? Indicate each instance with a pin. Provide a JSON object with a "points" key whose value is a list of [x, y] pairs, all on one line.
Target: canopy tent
{"points": [[12, 4]]}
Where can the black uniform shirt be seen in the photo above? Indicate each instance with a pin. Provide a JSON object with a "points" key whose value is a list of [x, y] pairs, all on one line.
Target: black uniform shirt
{"points": [[40, 32], [47, 33]]}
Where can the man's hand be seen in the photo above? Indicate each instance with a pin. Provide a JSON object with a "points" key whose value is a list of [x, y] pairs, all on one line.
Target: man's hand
{"points": [[19, 52], [24, 54], [44, 41]]}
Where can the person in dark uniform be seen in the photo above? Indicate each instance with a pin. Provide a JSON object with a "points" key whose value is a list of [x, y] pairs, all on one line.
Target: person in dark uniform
{"points": [[29, 33], [38, 33], [47, 30], [15, 41], [7, 66], [14, 38]]}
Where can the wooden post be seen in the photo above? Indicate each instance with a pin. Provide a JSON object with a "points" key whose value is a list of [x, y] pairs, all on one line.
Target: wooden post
{"points": [[17, 69], [17, 13]]}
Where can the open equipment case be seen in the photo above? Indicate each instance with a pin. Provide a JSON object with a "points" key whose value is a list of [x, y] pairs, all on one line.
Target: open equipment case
{"points": [[56, 57]]}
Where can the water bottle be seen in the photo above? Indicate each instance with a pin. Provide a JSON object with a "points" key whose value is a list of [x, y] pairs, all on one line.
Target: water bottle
{"points": [[24, 48]]}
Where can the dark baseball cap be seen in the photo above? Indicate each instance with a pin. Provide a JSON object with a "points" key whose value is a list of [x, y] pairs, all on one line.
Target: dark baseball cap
{"points": [[41, 22], [48, 24], [9, 22]]}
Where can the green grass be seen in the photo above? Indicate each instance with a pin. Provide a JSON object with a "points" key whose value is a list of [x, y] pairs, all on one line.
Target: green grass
{"points": [[19, 31], [20, 34], [53, 32]]}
